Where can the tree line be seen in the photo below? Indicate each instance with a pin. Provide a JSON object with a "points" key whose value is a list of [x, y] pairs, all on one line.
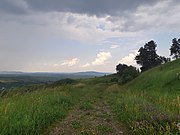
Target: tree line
{"points": [[147, 58]]}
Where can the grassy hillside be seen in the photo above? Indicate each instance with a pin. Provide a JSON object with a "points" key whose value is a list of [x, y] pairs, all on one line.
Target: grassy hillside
{"points": [[164, 77], [150, 104]]}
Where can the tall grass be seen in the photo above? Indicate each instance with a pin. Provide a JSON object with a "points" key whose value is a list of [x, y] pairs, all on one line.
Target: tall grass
{"points": [[150, 104], [33, 112], [147, 112]]}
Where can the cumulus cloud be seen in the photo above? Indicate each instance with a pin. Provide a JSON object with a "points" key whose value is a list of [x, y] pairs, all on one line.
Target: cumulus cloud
{"points": [[71, 62], [102, 57], [130, 59]]}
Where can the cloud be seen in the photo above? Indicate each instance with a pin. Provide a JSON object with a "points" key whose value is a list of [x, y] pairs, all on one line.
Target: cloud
{"points": [[115, 15], [90, 7], [102, 57], [55, 65], [129, 60], [85, 65], [157, 17], [71, 62], [114, 46], [49, 29], [14, 6]]}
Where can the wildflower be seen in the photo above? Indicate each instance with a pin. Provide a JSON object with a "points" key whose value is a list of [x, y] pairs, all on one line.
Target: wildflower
{"points": [[178, 126]]}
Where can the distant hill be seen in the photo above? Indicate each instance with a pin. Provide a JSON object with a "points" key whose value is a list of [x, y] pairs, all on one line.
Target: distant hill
{"points": [[87, 73], [10, 72], [13, 78]]}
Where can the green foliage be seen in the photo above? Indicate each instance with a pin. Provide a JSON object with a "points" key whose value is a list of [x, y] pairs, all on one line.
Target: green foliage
{"points": [[33, 112], [76, 124], [148, 58], [148, 104], [175, 48], [104, 128], [87, 105], [126, 73], [113, 78], [63, 82]]}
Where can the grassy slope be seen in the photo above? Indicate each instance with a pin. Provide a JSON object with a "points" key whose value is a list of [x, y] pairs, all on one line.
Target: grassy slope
{"points": [[147, 105], [33, 112], [150, 103], [165, 77]]}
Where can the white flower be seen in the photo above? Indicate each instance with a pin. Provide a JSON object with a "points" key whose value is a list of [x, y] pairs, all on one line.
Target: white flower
{"points": [[178, 126]]}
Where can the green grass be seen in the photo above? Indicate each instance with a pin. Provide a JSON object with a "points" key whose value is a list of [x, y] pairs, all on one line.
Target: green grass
{"points": [[150, 103], [147, 105], [87, 105], [76, 124], [104, 128], [32, 113]]}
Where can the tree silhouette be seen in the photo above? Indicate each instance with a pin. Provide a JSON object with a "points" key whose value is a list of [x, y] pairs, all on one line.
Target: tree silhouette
{"points": [[126, 73], [148, 57], [175, 48], [120, 68]]}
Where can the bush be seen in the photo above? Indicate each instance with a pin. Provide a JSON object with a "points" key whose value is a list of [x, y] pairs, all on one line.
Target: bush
{"points": [[126, 73], [63, 82]]}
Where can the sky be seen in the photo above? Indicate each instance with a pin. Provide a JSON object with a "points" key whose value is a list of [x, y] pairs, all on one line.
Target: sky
{"points": [[82, 35]]}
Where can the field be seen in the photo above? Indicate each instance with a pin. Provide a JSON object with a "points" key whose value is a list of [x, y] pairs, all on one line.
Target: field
{"points": [[150, 104]]}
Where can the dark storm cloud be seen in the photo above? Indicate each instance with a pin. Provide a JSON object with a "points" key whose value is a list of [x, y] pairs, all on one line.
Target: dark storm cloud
{"points": [[13, 6], [90, 7]]}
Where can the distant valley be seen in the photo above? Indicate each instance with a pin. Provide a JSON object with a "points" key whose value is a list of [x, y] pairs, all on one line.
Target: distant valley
{"points": [[9, 79]]}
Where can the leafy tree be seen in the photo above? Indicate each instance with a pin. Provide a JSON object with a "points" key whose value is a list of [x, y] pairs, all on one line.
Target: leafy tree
{"points": [[175, 48], [120, 68], [147, 57], [126, 73]]}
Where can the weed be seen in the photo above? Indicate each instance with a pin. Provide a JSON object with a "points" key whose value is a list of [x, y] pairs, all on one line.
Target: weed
{"points": [[76, 124], [87, 105], [104, 128]]}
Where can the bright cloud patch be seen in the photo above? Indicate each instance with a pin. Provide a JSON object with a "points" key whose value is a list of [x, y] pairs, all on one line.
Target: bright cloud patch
{"points": [[85, 65], [129, 60], [55, 65], [71, 62], [102, 57]]}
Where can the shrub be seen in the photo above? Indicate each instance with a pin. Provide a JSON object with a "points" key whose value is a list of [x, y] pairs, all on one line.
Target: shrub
{"points": [[126, 73]]}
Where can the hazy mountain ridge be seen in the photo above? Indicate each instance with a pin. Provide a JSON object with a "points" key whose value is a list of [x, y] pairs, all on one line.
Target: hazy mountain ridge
{"points": [[93, 73]]}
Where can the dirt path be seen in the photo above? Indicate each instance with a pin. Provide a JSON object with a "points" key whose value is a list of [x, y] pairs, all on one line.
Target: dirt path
{"points": [[92, 116]]}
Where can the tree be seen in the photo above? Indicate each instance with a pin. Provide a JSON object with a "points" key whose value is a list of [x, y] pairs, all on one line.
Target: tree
{"points": [[175, 48], [126, 73], [148, 57], [120, 68]]}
